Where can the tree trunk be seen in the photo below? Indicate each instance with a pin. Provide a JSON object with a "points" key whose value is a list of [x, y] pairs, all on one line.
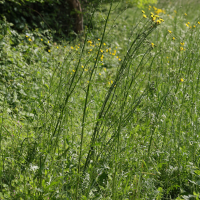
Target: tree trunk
{"points": [[76, 7]]}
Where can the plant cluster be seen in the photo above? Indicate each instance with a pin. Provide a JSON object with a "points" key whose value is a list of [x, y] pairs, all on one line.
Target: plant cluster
{"points": [[110, 115]]}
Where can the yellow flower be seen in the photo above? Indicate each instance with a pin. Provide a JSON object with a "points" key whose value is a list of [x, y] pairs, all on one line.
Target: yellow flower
{"points": [[82, 66], [143, 11], [181, 80], [111, 82], [90, 42], [169, 31], [99, 39], [173, 38], [29, 39], [153, 18], [64, 46], [41, 39], [57, 47], [100, 74], [26, 35], [104, 44], [185, 14], [120, 59], [152, 44], [162, 20], [101, 50], [90, 49], [106, 50], [194, 26], [187, 25], [104, 68], [198, 22], [158, 22], [72, 47], [181, 48], [49, 50], [48, 41], [86, 70], [182, 43], [73, 70], [144, 16]]}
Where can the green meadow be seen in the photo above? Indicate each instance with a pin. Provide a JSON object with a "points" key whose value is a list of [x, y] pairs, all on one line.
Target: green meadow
{"points": [[112, 113]]}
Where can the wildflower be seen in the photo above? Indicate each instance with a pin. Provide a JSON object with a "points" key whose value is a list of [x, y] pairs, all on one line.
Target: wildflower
{"points": [[102, 63], [90, 42], [104, 44], [41, 39], [144, 16], [169, 31], [82, 66], [162, 20], [120, 59], [181, 49], [198, 22], [143, 11], [86, 70], [181, 80], [100, 74], [48, 41], [57, 47], [49, 50], [90, 49], [158, 22], [104, 68], [194, 26], [101, 50], [26, 35], [187, 25], [111, 82], [185, 14], [175, 11], [64, 46], [87, 81], [182, 43], [72, 47], [99, 39], [29, 39], [73, 70], [153, 18], [152, 44], [173, 38], [106, 50]]}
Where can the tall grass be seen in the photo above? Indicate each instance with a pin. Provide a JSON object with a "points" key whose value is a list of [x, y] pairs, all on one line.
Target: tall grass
{"points": [[111, 115]]}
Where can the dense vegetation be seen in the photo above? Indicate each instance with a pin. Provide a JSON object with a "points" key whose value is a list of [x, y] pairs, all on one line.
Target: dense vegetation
{"points": [[110, 114]]}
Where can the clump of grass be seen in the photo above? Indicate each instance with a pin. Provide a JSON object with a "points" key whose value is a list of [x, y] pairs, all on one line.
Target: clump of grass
{"points": [[113, 117]]}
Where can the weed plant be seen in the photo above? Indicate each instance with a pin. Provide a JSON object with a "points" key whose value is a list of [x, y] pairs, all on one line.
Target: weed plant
{"points": [[110, 115]]}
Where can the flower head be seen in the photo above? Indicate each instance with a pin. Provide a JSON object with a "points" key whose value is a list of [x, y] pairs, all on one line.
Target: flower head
{"points": [[169, 31], [41, 39], [182, 80], [173, 38], [143, 11], [144, 16]]}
